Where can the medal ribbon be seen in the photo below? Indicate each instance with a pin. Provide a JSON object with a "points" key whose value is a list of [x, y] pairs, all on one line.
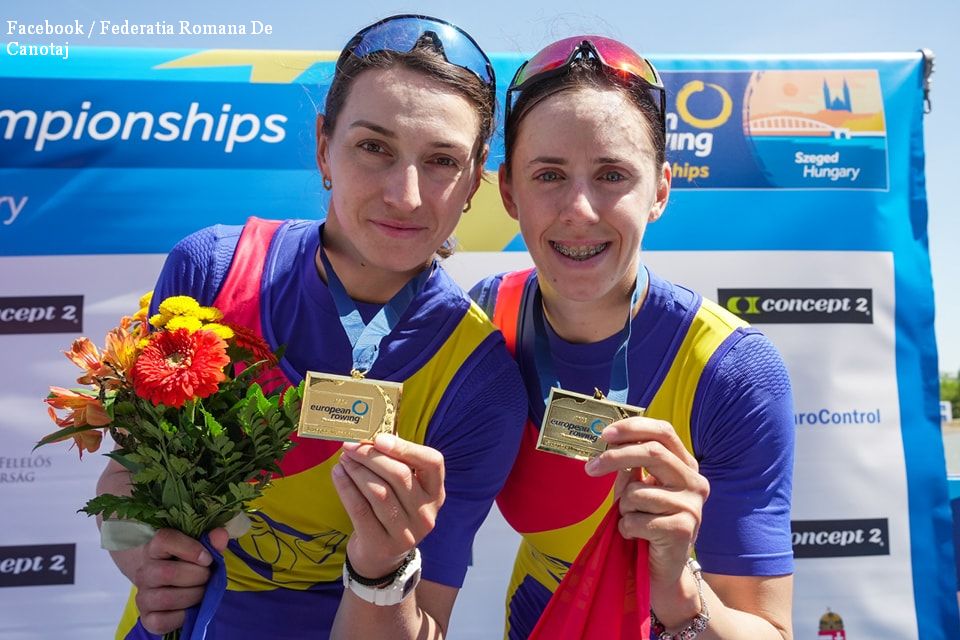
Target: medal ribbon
{"points": [[619, 375], [366, 338]]}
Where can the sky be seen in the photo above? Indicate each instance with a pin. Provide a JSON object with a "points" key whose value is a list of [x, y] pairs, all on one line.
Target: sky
{"points": [[690, 27]]}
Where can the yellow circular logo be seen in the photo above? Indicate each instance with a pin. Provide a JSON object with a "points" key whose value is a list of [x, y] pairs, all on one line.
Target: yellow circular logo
{"points": [[726, 107]]}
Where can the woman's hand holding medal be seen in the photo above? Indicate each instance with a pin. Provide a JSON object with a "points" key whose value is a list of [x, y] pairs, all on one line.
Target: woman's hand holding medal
{"points": [[392, 490], [661, 494]]}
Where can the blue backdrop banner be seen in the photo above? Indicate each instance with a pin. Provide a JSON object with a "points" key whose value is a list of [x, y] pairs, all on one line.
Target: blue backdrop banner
{"points": [[799, 203]]}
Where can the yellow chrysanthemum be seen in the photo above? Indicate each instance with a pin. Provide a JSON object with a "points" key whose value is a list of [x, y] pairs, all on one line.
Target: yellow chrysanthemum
{"points": [[145, 299], [209, 314], [159, 320], [180, 306], [221, 330], [189, 323]]}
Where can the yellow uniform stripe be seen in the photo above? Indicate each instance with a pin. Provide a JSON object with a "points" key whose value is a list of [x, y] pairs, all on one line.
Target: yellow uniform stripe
{"points": [[673, 401], [542, 554], [299, 563]]}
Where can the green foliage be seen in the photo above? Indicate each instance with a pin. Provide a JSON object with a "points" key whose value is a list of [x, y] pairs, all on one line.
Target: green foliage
{"points": [[950, 391], [197, 467], [63, 434]]}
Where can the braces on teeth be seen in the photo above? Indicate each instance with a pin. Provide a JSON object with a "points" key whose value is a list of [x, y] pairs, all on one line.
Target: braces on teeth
{"points": [[579, 253]]}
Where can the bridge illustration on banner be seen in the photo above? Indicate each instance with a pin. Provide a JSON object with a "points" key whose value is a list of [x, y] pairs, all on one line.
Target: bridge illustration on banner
{"points": [[799, 126]]}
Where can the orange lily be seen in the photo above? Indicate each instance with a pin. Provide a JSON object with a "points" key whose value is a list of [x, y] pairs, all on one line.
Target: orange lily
{"points": [[84, 354], [86, 440], [84, 410], [121, 348]]}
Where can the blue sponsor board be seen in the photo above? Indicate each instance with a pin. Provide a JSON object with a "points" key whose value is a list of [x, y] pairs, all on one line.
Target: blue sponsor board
{"points": [[775, 129], [144, 124], [823, 163]]}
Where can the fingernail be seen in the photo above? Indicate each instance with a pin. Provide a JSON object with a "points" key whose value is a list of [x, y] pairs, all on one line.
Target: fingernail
{"points": [[351, 446], [386, 441], [592, 466], [608, 433], [338, 471], [204, 558]]}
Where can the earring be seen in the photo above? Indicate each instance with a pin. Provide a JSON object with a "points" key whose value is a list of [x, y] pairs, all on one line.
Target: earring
{"points": [[469, 204], [327, 183]]}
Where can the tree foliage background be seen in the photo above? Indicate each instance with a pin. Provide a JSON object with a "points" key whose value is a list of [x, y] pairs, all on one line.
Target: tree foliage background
{"points": [[950, 391]]}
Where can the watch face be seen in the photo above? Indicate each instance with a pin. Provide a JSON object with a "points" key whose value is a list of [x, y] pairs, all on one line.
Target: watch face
{"points": [[411, 583]]}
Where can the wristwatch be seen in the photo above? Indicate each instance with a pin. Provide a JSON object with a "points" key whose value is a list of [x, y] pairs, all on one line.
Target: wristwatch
{"points": [[390, 589]]}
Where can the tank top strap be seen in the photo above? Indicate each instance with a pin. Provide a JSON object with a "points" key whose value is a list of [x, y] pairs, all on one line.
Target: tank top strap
{"points": [[239, 297], [506, 311]]}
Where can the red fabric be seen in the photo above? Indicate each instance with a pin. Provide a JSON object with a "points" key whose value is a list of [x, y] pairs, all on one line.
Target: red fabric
{"points": [[239, 296], [522, 500], [528, 508], [239, 299], [605, 594], [505, 311]]}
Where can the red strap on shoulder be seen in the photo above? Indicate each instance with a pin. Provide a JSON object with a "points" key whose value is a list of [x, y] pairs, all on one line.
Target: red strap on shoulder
{"points": [[506, 311], [239, 297]]}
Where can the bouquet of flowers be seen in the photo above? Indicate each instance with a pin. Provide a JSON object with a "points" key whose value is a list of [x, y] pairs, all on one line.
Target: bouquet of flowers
{"points": [[194, 428]]}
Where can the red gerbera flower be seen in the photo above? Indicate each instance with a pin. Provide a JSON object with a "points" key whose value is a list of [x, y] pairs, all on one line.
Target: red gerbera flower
{"points": [[179, 365], [250, 342]]}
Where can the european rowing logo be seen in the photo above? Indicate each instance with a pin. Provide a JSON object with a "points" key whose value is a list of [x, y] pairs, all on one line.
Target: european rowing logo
{"points": [[831, 626], [360, 408], [597, 426], [709, 122], [697, 124]]}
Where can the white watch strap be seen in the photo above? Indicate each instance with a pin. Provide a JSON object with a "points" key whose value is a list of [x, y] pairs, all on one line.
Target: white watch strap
{"points": [[393, 593]]}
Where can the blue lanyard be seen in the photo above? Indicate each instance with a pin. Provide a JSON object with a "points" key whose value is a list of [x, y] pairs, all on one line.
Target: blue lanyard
{"points": [[366, 338], [619, 375]]}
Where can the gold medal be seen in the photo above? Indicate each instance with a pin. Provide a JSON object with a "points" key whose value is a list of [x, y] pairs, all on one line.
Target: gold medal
{"points": [[348, 409], [572, 423]]}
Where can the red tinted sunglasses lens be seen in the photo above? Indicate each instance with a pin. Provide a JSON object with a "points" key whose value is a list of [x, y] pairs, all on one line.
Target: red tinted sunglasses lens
{"points": [[553, 57], [617, 55], [613, 54]]}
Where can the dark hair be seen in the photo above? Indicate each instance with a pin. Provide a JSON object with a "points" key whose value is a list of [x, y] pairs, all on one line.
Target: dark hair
{"points": [[586, 73], [425, 59]]}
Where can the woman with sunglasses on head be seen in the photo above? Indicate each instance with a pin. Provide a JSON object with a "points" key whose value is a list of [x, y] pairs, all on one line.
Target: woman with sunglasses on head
{"points": [[584, 174], [338, 542]]}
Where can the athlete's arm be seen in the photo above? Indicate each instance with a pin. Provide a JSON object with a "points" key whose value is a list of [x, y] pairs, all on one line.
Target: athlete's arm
{"points": [[742, 428], [665, 508], [392, 491], [478, 435], [170, 572]]}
